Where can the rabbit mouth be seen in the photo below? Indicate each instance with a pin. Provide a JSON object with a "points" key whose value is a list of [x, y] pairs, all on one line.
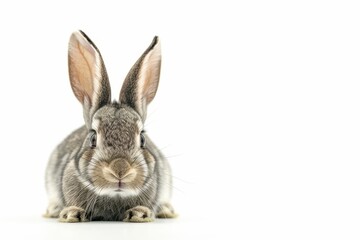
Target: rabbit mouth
{"points": [[121, 187]]}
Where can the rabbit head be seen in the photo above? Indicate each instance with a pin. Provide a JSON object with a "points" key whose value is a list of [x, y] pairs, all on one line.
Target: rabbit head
{"points": [[114, 158]]}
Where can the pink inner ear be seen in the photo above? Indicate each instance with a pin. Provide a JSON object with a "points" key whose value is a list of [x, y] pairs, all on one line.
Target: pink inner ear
{"points": [[82, 61], [150, 73], [149, 89]]}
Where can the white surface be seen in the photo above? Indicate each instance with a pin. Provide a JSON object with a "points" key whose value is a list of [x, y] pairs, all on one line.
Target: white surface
{"points": [[258, 109], [34, 228]]}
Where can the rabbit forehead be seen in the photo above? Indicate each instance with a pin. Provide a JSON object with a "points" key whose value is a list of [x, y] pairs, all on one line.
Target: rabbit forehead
{"points": [[121, 116]]}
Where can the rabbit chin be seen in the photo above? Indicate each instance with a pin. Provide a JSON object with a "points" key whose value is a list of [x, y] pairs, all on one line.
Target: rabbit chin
{"points": [[123, 193], [110, 191]]}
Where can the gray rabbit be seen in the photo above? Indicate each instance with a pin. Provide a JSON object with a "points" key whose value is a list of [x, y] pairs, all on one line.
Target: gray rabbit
{"points": [[109, 169]]}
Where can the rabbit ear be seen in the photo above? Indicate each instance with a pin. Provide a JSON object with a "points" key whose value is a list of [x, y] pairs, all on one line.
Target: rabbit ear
{"points": [[142, 81], [88, 76]]}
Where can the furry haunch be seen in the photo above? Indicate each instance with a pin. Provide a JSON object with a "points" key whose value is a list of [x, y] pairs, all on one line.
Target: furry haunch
{"points": [[109, 169]]}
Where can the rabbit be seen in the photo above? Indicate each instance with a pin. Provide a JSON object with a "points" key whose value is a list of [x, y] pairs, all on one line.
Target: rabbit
{"points": [[109, 169]]}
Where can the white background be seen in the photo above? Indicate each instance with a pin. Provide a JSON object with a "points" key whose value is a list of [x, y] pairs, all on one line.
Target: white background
{"points": [[257, 109]]}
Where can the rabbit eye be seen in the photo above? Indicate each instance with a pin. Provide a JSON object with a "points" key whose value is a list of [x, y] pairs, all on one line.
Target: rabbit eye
{"points": [[142, 140], [92, 139]]}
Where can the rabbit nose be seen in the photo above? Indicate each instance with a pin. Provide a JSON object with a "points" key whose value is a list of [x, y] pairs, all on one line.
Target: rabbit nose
{"points": [[120, 167], [119, 171]]}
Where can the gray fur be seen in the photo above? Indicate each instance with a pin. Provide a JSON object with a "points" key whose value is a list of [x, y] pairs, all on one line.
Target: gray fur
{"points": [[77, 183]]}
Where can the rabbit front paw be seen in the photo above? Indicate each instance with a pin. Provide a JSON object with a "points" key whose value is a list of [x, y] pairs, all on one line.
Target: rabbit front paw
{"points": [[53, 210], [138, 214], [166, 211], [72, 214]]}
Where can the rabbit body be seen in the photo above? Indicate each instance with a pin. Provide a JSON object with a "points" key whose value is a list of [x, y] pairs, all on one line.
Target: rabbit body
{"points": [[109, 169]]}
